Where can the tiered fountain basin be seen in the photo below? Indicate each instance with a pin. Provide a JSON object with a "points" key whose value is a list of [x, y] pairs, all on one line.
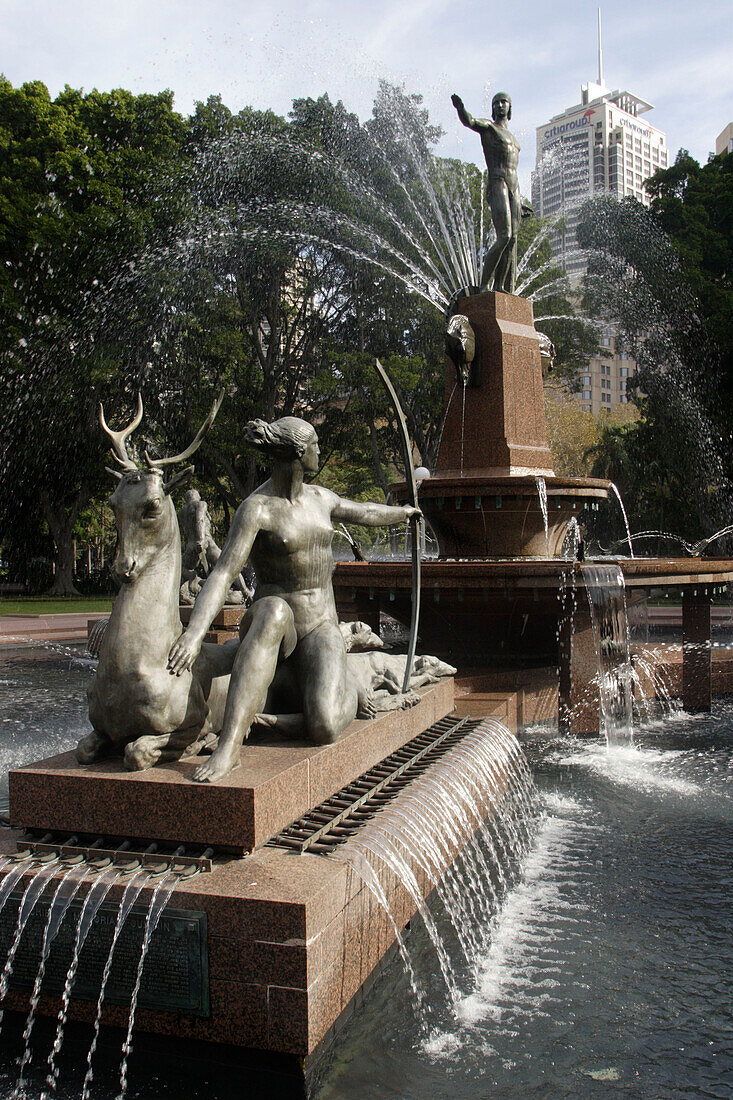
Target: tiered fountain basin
{"points": [[501, 603], [523, 626], [267, 950], [477, 516]]}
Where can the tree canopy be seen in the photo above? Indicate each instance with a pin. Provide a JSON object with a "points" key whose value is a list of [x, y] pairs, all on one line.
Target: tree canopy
{"points": [[663, 276], [79, 202]]}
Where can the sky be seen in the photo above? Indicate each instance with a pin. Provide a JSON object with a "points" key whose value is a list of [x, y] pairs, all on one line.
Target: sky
{"points": [[265, 53]]}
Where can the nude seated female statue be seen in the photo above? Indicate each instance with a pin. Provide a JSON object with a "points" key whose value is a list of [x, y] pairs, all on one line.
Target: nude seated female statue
{"points": [[284, 528]]}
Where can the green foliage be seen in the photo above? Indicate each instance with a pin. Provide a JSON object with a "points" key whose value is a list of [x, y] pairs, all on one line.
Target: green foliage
{"points": [[647, 283], [694, 205], [575, 340], [80, 199], [643, 459]]}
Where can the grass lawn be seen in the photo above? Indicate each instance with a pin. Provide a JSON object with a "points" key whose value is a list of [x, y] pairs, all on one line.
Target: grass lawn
{"points": [[52, 605]]}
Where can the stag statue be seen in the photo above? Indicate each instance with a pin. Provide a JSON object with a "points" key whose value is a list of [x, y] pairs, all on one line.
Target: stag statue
{"points": [[135, 706]]}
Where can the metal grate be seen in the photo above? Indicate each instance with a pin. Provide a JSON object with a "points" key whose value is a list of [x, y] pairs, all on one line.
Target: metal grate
{"points": [[100, 852], [335, 820]]}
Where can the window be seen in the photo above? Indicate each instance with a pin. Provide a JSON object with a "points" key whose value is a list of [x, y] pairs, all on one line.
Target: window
{"points": [[605, 341], [624, 370], [623, 387], [586, 395], [586, 380]]}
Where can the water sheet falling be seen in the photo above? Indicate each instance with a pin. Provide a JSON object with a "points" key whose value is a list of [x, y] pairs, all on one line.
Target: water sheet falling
{"points": [[158, 901], [459, 829], [607, 600], [94, 898], [626, 519], [130, 896], [542, 494], [66, 890]]}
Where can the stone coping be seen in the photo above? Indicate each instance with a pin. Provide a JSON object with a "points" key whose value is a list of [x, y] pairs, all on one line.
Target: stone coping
{"points": [[530, 572], [277, 783], [475, 483]]}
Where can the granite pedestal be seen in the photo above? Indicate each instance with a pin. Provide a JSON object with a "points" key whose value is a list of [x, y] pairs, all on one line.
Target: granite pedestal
{"points": [[290, 938], [278, 782]]}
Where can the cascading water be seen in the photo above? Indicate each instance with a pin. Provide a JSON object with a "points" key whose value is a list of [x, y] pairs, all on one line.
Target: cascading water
{"points": [[98, 881], [94, 898], [30, 897], [130, 896], [607, 600], [542, 494], [65, 893], [653, 691], [459, 829], [158, 901], [626, 519], [572, 541]]}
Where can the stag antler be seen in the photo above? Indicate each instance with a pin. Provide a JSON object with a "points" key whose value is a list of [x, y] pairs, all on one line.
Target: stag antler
{"points": [[159, 463], [118, 448]]}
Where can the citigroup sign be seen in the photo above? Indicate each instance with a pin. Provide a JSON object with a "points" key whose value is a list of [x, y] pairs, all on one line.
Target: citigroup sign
{"points": [[573, 124]]}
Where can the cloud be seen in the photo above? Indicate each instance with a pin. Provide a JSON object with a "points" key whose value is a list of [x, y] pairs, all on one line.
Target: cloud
{"points": [[265, 54]]}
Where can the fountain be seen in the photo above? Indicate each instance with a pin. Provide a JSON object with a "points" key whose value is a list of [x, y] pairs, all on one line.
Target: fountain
{"points": [[254, 910], [496, 598], [147, 885]]}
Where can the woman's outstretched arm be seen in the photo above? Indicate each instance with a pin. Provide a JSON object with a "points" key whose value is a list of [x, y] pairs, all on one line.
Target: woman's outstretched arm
{"points": [[370, 514]]}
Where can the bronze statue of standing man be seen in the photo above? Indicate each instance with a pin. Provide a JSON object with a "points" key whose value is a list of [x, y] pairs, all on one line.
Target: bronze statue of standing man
{"points": [[501, 150]]}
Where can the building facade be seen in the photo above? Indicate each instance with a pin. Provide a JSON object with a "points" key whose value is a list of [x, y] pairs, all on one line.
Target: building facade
{"points": [[605, 379], [601, 145], [724, 140]]}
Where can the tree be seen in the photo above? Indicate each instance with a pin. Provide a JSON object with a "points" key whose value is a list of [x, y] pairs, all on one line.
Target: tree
{"points": [[80, 204], [575, 340], [694, 206], [637, 279], [280, 297]]}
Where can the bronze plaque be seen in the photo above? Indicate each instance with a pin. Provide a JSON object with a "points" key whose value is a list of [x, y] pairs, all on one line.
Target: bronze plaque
{"points": [[175, 976]]}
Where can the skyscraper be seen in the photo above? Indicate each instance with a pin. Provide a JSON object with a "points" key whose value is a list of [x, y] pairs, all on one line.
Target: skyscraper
{"points": [[601, 145]]}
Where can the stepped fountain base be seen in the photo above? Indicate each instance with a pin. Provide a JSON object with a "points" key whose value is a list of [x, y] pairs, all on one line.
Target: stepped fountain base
{"points": [[278, 782], [270, 950], [524, 626]]}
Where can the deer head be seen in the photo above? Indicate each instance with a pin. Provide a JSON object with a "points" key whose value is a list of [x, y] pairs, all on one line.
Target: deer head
{"points": [[145, 517]]}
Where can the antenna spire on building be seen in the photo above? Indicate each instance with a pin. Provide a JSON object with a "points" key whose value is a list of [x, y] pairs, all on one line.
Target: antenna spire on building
{"points": [[600, 52]]}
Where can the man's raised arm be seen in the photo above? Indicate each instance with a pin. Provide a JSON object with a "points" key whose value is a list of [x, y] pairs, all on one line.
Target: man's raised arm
{"points": [[466, 118]]}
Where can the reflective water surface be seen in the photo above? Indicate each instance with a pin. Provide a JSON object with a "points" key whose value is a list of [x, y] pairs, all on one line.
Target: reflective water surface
{"points": [[606, 972]]}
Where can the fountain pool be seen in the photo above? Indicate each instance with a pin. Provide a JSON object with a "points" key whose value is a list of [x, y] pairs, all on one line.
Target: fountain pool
{"points": [[605, 970]]}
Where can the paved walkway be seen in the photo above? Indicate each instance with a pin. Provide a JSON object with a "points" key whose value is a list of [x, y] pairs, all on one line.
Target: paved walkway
{"points": [[65, 627]]}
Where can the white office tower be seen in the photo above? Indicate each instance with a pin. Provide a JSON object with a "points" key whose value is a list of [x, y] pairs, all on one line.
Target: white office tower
{"points": [[602, 145]]}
